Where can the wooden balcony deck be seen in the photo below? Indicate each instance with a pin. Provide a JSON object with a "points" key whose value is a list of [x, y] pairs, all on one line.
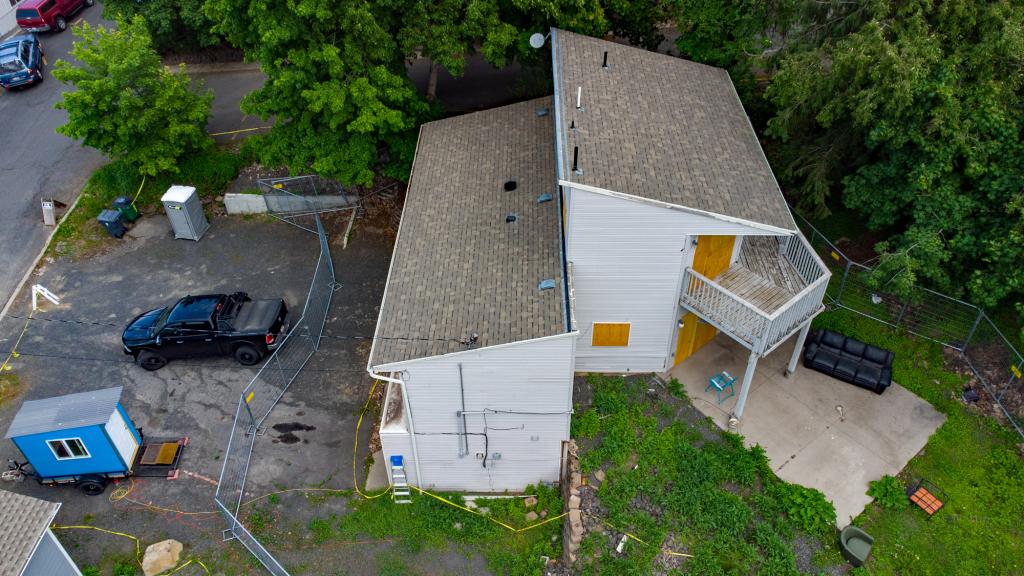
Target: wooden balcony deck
{"points": [[775, 285], [761, 277]]}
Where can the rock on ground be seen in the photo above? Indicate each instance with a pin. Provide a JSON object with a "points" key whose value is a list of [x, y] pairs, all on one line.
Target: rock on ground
{"points": [[161, 557]]}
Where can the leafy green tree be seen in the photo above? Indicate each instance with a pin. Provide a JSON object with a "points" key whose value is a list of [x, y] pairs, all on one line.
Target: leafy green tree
{"points": [[446, 31], [126, 104], [911, 109], [638, 22], [336, 85], [725, 33], [175, 25]]}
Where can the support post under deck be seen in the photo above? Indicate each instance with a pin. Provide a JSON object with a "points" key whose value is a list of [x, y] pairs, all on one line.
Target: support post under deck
{"points": [[748, 376], [795, 357]]}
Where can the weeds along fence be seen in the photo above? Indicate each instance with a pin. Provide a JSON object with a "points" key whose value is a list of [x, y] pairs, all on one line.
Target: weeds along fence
{"points": [[260, 396], [956, 324]]}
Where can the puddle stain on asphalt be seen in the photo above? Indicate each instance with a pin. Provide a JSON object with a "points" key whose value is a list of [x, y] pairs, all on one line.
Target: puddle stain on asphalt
{"points": [[288, 429]]}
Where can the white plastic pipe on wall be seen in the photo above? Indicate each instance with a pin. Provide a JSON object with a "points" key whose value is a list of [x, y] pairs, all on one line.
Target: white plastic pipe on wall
{"points": [[408, 412]]}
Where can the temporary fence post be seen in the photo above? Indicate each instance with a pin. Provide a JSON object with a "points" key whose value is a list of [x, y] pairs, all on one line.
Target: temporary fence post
{"points": [[974, 327], [842, 283], [903, 310]]}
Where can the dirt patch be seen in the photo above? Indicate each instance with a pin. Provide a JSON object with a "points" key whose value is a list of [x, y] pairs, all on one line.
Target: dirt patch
{"points": [[976, 396]]}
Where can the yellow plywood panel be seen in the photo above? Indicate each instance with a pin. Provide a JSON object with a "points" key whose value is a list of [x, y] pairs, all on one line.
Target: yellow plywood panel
{"points": [[693, 335], [713, 255], [610, 334]]}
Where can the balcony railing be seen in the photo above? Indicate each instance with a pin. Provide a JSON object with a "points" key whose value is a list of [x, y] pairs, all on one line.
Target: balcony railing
{"points": [[760, 329]]}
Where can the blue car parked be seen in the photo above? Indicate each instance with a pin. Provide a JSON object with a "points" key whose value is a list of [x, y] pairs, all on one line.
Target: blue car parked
{"points": [[21, 61]]}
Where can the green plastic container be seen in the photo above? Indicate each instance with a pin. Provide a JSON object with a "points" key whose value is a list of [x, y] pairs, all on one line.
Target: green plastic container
{"points": [[123, 204]]}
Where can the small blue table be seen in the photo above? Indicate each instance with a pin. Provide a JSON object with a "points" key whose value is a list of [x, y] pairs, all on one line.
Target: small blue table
{"points": [[720, 382]]}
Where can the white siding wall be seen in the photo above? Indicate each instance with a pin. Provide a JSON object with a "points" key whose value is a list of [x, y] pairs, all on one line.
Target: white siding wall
{"points": [[530, 376], [122, 438], [50, 559], [628, 257]]}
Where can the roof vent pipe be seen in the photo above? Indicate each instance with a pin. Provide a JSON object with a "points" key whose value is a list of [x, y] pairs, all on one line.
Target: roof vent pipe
{"points": [[579, 98], [604, 64], [575, 160], [510, 185]]}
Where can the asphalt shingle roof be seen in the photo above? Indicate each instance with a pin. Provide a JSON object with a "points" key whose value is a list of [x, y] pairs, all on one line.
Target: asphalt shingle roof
{"points": [[65, 412], [22, 521], [458, 267], [662, 128]]}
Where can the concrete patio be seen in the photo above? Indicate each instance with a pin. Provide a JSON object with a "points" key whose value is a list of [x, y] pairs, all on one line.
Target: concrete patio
{"points": [[797, 421]]}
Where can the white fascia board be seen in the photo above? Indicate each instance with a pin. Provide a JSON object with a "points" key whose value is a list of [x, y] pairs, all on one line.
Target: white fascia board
{"points": [[398, 366], [391, 265], [770, 230]]}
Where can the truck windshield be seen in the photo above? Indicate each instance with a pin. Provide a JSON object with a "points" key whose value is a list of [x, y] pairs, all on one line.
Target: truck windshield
{"points": [[161, 320]]}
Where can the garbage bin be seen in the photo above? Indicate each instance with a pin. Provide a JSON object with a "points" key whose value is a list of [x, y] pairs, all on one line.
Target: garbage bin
{"points": [[111, 220], [123, 204]]}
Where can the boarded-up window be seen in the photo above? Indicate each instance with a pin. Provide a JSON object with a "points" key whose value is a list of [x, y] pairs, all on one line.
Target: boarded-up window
{"points": [[610, 334]]}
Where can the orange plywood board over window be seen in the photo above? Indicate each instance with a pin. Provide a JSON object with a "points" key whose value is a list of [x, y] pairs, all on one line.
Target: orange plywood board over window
{"points": [[610, 334]]}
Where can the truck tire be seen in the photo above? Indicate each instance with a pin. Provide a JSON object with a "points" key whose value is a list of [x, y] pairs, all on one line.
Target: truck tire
{"points": [[92, 485], [150, 360], [247, 355], [61, 24]]}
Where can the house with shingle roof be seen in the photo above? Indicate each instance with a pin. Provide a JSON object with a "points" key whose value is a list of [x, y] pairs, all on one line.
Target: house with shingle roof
{"points": [[615, 226], [29, 546]]}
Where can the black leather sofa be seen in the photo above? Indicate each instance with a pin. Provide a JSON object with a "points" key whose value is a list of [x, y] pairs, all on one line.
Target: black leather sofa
{"points": [[849, 360]]}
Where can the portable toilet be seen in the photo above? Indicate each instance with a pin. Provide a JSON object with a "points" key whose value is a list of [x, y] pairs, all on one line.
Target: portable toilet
{"points": [[185, 211], [84, 438]]}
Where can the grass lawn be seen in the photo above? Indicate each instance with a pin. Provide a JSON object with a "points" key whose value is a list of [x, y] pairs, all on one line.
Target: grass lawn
{"points": [[676, 481], [971, 457], [209, 171]]}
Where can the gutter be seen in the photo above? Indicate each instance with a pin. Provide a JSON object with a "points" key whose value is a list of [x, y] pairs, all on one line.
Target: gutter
{"points": [[559, 171], [408, 412]]}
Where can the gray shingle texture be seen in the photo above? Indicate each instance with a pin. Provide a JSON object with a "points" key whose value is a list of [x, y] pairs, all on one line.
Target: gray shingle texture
{"points": [[662, 128], [458, 267], [22, 521], [65, 412]]}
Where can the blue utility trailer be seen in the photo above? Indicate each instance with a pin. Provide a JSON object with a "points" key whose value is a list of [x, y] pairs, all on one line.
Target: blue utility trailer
{"points": [[86, 439]]}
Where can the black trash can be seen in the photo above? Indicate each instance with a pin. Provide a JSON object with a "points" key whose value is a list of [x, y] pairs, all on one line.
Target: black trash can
{"points": [[111, 220], [123, 204]]}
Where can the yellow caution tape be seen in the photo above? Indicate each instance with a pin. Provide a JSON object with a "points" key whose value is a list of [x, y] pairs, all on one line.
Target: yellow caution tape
{"points": [[14, 350], [240, 131], [355, 448]]}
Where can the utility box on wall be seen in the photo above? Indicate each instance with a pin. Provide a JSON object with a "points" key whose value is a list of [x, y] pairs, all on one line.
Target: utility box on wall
{"points": [[185, 211]]}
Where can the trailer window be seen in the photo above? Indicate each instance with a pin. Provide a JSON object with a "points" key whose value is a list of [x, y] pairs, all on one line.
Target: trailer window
{"points": [[68, 449]]}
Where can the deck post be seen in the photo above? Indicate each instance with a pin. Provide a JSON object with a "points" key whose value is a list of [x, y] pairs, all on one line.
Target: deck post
{"points": [[748, 376], [795, 357]]}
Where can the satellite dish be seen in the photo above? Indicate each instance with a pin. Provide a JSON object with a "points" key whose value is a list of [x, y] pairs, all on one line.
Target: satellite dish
{"points": [[537, 40]]}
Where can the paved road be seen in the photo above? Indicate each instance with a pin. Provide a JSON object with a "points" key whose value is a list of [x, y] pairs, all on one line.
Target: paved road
{"points": [[37, 163]]}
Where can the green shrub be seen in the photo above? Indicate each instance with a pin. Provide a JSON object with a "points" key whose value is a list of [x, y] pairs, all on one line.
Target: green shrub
{"points": [[125, 569], [90, 571], [586, 425], [806, 507], [888, 492]]}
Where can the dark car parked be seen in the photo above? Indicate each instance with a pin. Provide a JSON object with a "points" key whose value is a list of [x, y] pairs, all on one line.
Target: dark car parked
{"points": [[46, 15], [21, 61], [208, 325]]}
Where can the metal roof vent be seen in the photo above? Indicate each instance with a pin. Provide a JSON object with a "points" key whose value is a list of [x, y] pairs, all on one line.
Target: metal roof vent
{"points": [[510, 185], [545, 197], [542, 112], [546, 285], [512, 217]]}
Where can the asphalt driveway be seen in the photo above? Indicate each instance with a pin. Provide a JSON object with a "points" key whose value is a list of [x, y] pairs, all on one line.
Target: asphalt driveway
{"points": [[75, 347]]}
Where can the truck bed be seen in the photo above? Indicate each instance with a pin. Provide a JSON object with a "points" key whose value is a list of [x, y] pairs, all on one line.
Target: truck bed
{"points": [[256, 315]]}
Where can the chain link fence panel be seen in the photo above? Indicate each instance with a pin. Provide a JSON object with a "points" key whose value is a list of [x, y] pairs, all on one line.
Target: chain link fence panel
{"points": [[953, 323], [271, 383]]}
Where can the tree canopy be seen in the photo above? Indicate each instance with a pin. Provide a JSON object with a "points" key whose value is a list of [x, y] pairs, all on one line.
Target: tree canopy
{"points": [[913, 116], [126, 104], [174, 25]]}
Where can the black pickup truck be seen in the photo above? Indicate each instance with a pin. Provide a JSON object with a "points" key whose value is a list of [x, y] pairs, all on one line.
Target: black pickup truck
{"points": [[207, 325]]}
